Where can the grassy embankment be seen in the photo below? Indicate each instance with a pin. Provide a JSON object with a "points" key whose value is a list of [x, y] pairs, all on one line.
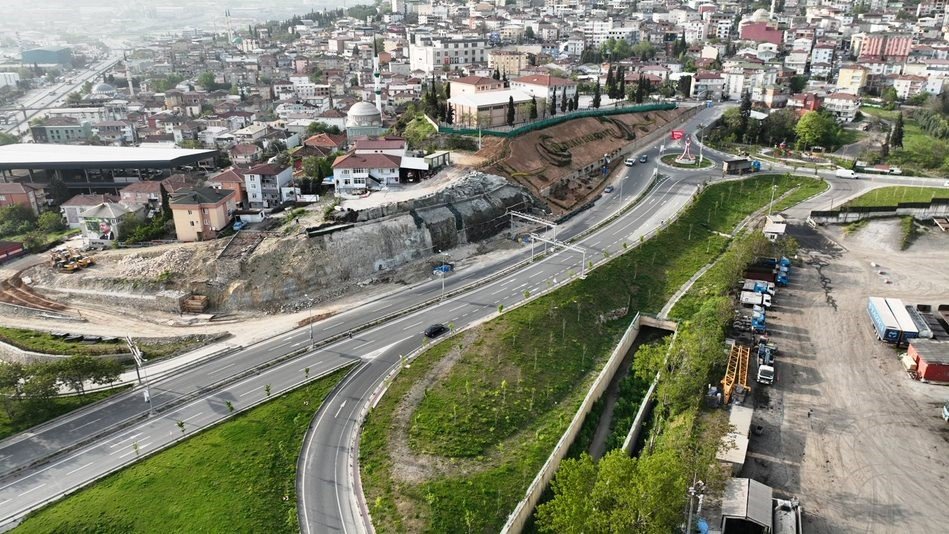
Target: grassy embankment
{"points": [[46, 343], [236, 477], [891, 196], [670, 159], [493, 418], [921, 154], [40, 413]]}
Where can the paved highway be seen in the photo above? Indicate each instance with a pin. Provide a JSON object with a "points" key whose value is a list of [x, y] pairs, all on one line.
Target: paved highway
{"points": [[54, 95]]}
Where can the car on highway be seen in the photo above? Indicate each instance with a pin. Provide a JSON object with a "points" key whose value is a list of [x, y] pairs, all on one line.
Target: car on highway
{"points": [[644, 158], [609, 189], [435, 330], [630, 162]]}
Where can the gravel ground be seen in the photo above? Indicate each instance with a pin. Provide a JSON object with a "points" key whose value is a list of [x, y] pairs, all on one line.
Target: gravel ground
{"points": [[844, 428]]}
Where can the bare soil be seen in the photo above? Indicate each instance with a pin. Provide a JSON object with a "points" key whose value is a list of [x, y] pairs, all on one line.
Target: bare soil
{"points": [[845, 428]]}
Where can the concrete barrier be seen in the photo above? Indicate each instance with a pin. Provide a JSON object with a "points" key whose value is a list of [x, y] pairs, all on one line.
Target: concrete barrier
{"points": [[525, 508], [938, 207]]}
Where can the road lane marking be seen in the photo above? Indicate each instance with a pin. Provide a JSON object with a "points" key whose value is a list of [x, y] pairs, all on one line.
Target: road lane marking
{"points": [[87, 424], [32, 490], [536, 274], [77, 469], [193, 416], [117, 443], [499, 291], [413, 325], [508, 281], [298, 344], [221, 369], [341, 406], [363, 345], [456, 308], [248, 393], [305, 368], [331, 326], [133, 451], [281, 345]]}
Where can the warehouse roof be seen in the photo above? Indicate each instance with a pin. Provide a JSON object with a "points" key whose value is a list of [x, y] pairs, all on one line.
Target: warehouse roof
{"points": [[49, 156], [748, 499]]}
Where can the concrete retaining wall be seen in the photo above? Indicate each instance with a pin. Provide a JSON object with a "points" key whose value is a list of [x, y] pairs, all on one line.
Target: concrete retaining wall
{"points": [[9, 353], [939, 207], [525, 508]]}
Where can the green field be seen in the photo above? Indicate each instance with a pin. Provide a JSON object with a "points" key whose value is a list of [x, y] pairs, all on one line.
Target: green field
{"points": [[37, 413], [236, 477], [891, 196], [670, 159], [491, 419]]}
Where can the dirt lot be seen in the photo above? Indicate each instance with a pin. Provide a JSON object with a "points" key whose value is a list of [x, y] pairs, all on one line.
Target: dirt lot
{"points": [[844, 428]]}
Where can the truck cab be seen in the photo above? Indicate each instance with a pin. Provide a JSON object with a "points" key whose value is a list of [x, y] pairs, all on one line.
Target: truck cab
{"points": [[945, 412]]}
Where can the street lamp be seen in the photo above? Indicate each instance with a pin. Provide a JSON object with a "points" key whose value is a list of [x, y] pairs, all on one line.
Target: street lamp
{"points": [[310, 319], [697, 489]]}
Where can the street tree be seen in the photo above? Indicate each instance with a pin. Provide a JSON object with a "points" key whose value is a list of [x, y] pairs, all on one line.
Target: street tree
{"points": [[552, 107], [816, 129], [744, 114], [563, 101], [533, 108], [896, 135], [510, 111], [596, 95]]}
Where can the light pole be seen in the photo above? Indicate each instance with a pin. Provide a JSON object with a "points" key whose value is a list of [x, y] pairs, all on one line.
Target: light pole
{"points": [[697, 489], [310, 319], [701, 142], [773, 188], [139, 366]]}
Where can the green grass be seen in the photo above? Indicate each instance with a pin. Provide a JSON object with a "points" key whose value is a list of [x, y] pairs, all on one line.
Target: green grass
{"points": [[46, 343], [893, 195], [236, 477], [907, 232], [670, 159], [513, 391], [886, 114], [37, 413], [49, 237], [850, 136]]}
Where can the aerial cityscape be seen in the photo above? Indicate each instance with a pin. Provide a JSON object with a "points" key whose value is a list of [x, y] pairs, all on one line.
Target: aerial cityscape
{"points": [[442, 266]]}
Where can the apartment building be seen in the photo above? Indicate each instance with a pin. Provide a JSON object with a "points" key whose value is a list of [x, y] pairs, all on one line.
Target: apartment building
{"points": [[429, 54]]}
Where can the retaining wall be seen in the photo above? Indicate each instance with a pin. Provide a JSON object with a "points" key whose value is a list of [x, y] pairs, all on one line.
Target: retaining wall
{"points": [[939, 207], [525, 508]]}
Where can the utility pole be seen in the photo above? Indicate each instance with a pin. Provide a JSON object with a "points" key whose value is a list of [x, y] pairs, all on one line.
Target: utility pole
{"points": [[140, 371], [310, 320], [697, 489]]}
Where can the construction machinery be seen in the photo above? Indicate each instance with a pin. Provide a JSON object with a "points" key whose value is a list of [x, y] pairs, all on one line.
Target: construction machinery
{"points": [[736, 372], [69, 260]]}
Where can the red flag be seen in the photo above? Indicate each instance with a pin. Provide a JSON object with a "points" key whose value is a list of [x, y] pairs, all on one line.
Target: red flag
{"points": [[677, 134]]}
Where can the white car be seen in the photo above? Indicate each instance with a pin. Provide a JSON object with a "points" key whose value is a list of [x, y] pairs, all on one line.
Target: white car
{"points": [[946, 183], [630, 162]]}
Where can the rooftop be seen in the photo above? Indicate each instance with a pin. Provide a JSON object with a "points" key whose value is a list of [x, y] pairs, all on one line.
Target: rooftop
{"points": [[51, 156], [367, 161], [488, 98], [199, 195], [544, 80], [385, 143]]}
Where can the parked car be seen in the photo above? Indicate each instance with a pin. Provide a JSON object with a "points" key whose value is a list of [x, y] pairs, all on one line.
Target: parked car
{"points": [[435, 330], [630, 162], [609, 189], [643, 159]]}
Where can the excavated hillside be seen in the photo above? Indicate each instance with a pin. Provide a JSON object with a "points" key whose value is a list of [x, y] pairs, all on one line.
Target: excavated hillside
{"points": [[268, 271], [561, 164]]}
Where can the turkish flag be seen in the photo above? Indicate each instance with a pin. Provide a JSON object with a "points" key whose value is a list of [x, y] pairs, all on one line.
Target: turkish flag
{"points": [[677, 134]]}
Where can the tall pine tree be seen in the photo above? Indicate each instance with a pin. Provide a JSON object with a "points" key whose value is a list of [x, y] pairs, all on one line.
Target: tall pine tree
{"points": [[510, 111], [596, 95], [621, 91], [563, 101], [576, 100], [609, 82], [744, 113], [552, 104], [896, 136], [533, 109]]}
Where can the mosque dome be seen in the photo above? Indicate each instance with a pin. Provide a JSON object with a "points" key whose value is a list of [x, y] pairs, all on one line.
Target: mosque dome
{"points": [[761, 15], [363, 114], [104, 89]]}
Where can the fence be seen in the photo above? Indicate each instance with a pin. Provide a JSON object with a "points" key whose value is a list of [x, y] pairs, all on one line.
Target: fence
{"points": [[937, 207], [525, 508], [555, 120]]}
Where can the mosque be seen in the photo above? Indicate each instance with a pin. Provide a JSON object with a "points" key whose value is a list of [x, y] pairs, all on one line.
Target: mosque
{"points": [[364, 119]]}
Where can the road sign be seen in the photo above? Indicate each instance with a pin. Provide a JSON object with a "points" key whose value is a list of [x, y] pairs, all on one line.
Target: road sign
{"points": [[677, 134]]}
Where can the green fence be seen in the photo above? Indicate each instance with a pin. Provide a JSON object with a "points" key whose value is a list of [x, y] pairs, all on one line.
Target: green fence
{"points": [[553, 121]]}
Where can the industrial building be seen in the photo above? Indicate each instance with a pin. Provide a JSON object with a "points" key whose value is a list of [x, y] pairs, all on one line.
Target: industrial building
{"points": [[931, 358], [47, 56]]}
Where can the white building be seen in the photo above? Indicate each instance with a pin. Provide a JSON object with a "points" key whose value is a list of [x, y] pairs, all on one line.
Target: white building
{"points": [[9, 79], [844, 106], [429, 54], [264, 182], [541, 86]]}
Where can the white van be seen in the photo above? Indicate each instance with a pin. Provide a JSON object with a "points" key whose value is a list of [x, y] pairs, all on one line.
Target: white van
{"points": [[846, 173]]}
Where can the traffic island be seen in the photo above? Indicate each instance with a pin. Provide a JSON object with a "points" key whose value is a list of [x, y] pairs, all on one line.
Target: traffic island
{"points": [[670, 160]]}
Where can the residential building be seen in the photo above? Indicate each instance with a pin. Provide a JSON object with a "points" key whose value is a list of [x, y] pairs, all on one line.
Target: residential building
{"points": [[252, 133], [80, 203], [851, 79], [61, 131], [508, 61], [33, 197], [762, 32], [708, 85], [201, 213], [887, 46], [805, 102], [844, 106], [230, 179], [263, 183], [102, 224], [245, 154], [355, 172], [427, 53], [145, 193], [115, 132], [390, 146], [908, 85], [9, 79]]}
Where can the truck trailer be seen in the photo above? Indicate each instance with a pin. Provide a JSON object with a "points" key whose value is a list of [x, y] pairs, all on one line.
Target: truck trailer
{"points": [[750, 298], [908, 328], [758, 286], [740, 166], [766, 274], [885, 325]]}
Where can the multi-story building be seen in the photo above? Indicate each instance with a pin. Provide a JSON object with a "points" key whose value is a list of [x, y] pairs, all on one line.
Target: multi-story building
{"points": [[851, 79], [907, 85], [470, 85], [61, 130], [9, 79], [33, 197], [428, 54], [115, 132], [508, 61], [263, 184], [844, 106], [541, 86], [708, 85], [886, 46], [201, 213]]}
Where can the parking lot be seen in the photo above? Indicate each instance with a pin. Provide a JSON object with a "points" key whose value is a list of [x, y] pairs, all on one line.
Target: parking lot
{"points": [[844, 428]]}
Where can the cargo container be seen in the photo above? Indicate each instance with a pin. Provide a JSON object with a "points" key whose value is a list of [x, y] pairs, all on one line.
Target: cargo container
{"points": [[750, 298], [758, 286], [766, 274], [886, 326], [740, 166], [908, 328]]}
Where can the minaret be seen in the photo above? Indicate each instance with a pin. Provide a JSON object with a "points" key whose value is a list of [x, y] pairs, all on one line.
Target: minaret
{"points": [[227, 23], [773, 6], [376, 75]]}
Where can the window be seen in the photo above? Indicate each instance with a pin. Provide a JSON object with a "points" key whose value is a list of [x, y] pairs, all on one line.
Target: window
{"points": [[189, 212], [191, 222]]}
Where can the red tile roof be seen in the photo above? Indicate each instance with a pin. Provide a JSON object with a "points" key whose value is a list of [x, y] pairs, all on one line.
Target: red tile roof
{"points": [[476, 80], [146, 186], [325, 140], [544, 80], [385, 143], [367, 161], [85, 200], [231, 175], [265, 169]]}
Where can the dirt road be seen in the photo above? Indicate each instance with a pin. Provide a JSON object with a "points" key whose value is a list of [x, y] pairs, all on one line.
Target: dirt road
{"points": [[844, 428]]}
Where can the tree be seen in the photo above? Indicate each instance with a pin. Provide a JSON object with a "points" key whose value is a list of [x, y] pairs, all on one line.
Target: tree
{"points": [[317, 127], [206, 80], [621, 90], [596, 95], [497, 74], [816, 129], [571, 510], [778, 127], [563, 101], [744, 114], [75, 371], [529, 33], [533, 108], [552, 105], [896, 136], [8, 139], [684, 85], [889, 98], [510, 111], [50, 221], [798, 83], [73, 98], [610, 83], [447, 90], [644, 50]]}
